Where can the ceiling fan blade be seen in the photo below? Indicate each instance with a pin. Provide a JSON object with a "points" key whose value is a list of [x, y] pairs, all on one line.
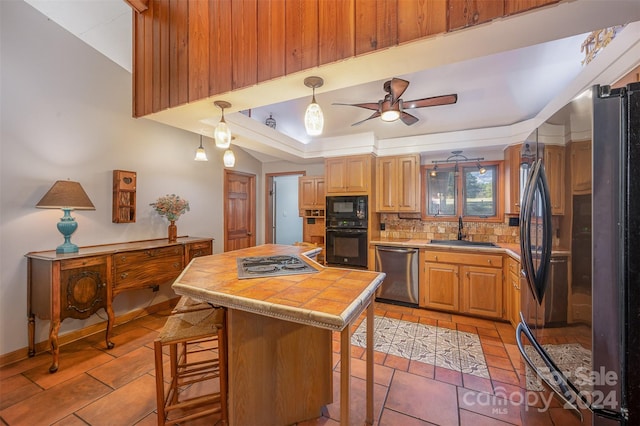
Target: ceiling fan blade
{"points": [[398, 86], [369, 105], [427, 102], [374, 115], [408, 119]]}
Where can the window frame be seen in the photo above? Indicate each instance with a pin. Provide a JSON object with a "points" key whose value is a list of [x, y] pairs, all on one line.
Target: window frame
{"points": [[459, 192]]}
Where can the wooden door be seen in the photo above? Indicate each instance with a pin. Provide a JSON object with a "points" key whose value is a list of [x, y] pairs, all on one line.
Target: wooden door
{"points": [[512, 179], [239, 210]]}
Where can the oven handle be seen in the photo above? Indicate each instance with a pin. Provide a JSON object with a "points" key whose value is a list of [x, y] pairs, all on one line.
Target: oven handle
{"points": [[347, 231]]}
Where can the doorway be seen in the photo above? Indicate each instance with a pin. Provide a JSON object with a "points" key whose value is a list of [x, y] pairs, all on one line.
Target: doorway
{"points": [[283, 225]]}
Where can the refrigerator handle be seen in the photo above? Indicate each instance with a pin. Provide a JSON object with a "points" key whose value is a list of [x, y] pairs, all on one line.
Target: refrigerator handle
{"points": [[525, 228], [547, 237]]}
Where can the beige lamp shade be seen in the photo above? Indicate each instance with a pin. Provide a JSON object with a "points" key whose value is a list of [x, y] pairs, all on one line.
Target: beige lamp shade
{"points": [[66, 194]]}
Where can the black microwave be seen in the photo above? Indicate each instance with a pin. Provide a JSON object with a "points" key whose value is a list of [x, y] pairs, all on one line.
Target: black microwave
{"points": [[347, 208]]}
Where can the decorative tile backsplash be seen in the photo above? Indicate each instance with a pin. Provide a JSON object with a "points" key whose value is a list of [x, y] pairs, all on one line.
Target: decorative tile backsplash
{"points": [[396, 227]]}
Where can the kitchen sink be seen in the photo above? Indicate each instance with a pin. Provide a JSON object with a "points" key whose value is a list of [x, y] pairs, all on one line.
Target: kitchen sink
{"points": [[464, 243]]}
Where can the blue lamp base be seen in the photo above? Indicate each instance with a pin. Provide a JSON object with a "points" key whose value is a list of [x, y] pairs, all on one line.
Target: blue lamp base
{"points": [[67, 226]]}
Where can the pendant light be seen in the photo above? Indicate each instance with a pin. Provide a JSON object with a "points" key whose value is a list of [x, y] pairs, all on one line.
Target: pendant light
{"points": [[229, 158], [313, 117], [222, 133], [201, 154]]}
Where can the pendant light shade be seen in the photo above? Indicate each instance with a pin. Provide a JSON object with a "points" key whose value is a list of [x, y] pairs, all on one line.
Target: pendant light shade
{"points": [[229, 158], [222, 133], [313, 116], [201, 154]]}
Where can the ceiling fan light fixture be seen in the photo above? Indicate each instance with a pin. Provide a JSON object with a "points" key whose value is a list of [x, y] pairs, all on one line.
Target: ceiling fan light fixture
{"points": [[222, 133], [390, 115], [313, 116], [201, 154]]}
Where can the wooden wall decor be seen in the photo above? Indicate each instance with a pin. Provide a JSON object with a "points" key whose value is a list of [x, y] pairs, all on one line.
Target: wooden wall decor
{"points": [[124, 196]]}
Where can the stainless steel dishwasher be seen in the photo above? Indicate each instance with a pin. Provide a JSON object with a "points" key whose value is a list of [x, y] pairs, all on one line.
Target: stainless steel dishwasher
{"points": [[400, 286]]}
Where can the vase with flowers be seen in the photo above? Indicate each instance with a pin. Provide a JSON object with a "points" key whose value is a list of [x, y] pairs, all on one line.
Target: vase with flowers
{"points": [[171, 207]]}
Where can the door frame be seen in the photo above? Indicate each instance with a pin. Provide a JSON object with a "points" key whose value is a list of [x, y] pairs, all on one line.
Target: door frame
{"points": [[268, 202]]}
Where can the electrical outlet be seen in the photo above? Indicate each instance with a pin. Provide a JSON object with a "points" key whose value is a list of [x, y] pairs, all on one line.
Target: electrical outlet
{"points": [[382, 226]]}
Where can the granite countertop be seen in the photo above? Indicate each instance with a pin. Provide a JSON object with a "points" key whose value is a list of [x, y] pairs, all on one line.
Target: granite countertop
{"points": [[330, 298]]}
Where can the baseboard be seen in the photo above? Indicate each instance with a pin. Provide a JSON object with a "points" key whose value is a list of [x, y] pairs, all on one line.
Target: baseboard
{"points": [[72, 336]]}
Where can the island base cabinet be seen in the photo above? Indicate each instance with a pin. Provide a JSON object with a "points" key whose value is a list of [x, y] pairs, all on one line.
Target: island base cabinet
{"points": [[279, 371], [482, 291], [440, 287]]}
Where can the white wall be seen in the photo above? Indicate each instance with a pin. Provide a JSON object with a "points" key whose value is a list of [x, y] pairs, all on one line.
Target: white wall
{"points": [[66, 113]]}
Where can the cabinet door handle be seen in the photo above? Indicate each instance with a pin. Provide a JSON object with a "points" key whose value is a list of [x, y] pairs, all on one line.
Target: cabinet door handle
{"points": [[467, 275], [124, 275], [489, 260], [176, 265], [435, 258]]}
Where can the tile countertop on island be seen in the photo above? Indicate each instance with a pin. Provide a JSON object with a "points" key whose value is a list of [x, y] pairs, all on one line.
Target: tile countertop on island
{"points": [[330, 298]]}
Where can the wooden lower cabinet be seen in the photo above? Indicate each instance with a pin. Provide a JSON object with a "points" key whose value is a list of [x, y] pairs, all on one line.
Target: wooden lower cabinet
{"points": [[440, 287], [481, 291], [462, 282], [512, 290]]}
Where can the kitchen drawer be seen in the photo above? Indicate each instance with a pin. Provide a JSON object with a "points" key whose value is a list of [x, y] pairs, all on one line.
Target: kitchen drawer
{"points": [[490, 260], [82, 262], [202, 248], [147, 268]]}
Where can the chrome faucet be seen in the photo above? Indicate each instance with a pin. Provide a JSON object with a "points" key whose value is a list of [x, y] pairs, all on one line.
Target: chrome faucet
{"points": [[460, 227]]}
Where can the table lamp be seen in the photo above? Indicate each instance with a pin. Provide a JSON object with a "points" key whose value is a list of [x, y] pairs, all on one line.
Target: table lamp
{"points": [[66, 195]]}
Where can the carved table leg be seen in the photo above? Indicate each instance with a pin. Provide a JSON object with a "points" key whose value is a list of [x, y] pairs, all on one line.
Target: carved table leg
{"points": [[53, 340], [110, 321], [32, 334]]}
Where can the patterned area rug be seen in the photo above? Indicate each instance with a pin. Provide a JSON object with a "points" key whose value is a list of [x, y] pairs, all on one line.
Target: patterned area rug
{"points": [[442, 347]]}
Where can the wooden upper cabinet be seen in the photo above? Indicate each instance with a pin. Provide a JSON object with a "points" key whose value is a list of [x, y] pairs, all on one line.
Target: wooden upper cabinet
{"points": [[554, 167], [512, 179], [188, 50], [581, 167], [311, 193], [348, 174], [398, 183]]}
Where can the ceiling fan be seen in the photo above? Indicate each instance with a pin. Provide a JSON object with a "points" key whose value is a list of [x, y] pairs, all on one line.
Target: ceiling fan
{"points": [[392, 107]]}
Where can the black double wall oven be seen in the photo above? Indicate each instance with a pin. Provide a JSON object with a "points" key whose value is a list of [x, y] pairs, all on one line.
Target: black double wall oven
{"points": [[346, 235]]}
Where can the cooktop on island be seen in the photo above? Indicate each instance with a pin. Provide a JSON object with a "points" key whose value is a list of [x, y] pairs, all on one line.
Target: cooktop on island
{"points": [[268, 266]]}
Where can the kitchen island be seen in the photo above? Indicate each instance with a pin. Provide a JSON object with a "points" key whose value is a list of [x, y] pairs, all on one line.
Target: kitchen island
{"points": [[279, 333]]}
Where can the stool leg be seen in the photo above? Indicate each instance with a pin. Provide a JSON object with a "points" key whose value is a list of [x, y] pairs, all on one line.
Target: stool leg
{"points": [[157, 349], [222, 364]]}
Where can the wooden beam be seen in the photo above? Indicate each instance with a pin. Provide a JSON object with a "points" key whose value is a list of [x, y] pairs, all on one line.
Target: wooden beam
{"points": [[138, 5]]}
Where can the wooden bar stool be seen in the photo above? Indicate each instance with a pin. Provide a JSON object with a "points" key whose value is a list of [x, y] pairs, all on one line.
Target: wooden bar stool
{"points": [[192, 336]]}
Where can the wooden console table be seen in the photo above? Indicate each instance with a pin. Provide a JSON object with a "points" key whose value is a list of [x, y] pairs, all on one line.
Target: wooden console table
{"points": [[77, 285]]}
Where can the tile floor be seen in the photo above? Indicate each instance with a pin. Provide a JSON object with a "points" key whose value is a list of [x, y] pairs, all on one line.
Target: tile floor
{"points": [[432, 368]]}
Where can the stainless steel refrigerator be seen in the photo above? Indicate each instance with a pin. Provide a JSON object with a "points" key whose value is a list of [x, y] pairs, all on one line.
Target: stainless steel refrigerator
{"points": [[590, 362]]}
